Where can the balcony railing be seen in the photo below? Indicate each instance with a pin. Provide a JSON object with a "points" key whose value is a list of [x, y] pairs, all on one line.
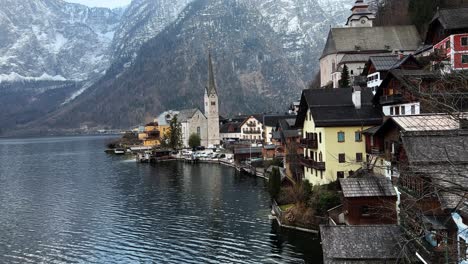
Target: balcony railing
{"points": [[309, 143], [252, 132], [374, 151], [391, 99], [313, 164]]}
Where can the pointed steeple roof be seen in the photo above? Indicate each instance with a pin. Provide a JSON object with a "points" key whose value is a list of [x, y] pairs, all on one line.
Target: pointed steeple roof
{"points": [[211, 87]]}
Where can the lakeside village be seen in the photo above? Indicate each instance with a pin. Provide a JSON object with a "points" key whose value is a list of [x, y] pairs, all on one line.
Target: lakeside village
{"points": [[376, 160]]}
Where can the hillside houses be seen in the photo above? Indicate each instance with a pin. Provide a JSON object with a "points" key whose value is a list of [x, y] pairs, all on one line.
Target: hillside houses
{"points": [[353, 45]]}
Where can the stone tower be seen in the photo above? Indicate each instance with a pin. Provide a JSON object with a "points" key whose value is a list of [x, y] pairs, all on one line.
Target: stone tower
{"points": [[212, 107], [361, 16]]}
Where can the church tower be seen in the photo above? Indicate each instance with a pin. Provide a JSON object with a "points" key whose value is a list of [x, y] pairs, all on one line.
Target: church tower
{"points": [[212, 107], [361, 16]]}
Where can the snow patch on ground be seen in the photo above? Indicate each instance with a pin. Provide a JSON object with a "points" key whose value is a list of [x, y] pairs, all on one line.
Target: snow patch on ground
{"points": [[15, 77], [77, 93]]}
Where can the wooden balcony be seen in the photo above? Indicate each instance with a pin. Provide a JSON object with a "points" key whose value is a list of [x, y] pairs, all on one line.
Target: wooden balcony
{"points": [[313, 164], [377, 151], [252, 132], [391, 99], [309, 143]]}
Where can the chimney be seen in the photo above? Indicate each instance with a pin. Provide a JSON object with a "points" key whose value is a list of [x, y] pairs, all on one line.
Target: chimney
{"points": [[357, 97], [464, 123], [401, 55]]}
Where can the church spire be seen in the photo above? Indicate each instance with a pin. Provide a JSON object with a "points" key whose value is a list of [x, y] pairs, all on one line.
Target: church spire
{"points": [[211, 87]]}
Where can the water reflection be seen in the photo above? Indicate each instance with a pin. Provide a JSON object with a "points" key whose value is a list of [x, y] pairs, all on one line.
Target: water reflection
{"points": [[63, 200]]}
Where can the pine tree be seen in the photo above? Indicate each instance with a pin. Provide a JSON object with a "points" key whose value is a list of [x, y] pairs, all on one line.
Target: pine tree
{"points": [[344, 82], [274, 183], [175, 134]]}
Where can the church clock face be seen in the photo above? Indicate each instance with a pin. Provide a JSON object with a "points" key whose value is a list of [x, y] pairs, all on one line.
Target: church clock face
{"points": [[363, 21]]}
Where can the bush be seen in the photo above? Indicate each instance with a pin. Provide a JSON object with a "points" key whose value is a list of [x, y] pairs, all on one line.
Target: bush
{"points": [[194, 140], [324, 199]]}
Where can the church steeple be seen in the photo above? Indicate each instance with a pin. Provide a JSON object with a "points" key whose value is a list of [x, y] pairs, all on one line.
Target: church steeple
{"points": [[211, 87], [361, 16], [212, 107]]}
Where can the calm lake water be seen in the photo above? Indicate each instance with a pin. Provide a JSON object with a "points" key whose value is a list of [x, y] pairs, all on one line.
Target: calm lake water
{"points": [[63, 200]]}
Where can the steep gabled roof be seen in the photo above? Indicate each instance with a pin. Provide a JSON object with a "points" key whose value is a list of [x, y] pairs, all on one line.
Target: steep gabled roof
{"points": [[367, 187], [272, 120], [185, 114], [360, 244], [383, 63], [335, 108], [230, 127], [436, 147], [455, 18], [371, 39]]}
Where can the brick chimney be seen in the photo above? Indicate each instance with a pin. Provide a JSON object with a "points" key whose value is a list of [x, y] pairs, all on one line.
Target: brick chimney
{"points": [[356, 96]]}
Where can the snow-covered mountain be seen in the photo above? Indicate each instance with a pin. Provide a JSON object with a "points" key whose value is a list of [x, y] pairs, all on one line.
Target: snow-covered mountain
{"points": [[264, 49], [303, 26], [54, 40], [143, 20]]}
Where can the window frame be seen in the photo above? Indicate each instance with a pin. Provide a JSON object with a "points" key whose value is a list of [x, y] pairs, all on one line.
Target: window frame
{"points": [[340, 174], [466, 41], [359, 157], [341, 158], [338, 137], [466, 58], [356, 138]]}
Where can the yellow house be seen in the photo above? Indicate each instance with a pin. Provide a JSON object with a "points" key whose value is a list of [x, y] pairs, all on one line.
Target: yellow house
{"points": [[150, 134], [332, 122]]}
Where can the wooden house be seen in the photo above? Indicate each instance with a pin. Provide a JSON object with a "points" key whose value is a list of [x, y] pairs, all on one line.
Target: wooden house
{"points": [[368, 200]]}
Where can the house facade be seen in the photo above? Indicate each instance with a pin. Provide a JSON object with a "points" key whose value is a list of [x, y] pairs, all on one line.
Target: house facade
{"points": [[332, 122], [252, 129], [352, 45], [452, 52]]}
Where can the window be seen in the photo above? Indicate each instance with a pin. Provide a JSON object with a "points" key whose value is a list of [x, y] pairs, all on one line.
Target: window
{"points": [[320, 137], [464, 41], [358, 157], [365, 210], [352, 72], [213, 103], [397, 110], [320, 157], [391, 110], [341, 158], [198, 131], [340, 174], [403, 110], [447, 45], [413, 109], [341, 137], [358, 136], [316, 173], [464, 58], [321, 175]]}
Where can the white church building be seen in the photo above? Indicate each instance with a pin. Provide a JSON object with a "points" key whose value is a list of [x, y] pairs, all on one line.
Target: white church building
{"points": [[194, 121]]}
